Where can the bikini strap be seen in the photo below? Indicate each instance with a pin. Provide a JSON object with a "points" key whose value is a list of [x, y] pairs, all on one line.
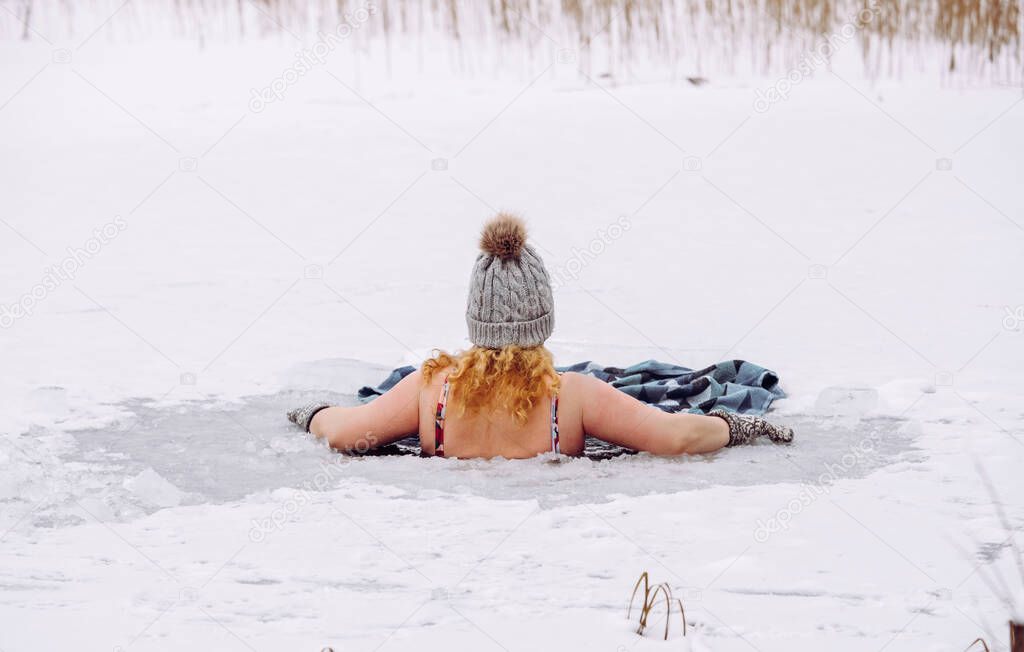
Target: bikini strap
{"points": [[439, 415], [554, 424]]}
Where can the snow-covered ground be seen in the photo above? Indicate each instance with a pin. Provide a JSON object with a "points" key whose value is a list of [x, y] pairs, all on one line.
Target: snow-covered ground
{"points": [[862, 238]]}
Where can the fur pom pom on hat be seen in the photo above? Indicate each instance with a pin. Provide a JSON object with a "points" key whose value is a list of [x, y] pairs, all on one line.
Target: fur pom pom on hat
{"points": [[504, 236], [510, 301]]}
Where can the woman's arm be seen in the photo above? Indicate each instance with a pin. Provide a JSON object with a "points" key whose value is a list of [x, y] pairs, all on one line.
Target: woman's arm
{"points": [[616, 417], [386, 419]]}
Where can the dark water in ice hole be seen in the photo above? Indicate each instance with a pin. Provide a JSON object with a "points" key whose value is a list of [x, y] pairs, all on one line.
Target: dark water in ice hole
{"points": [[213, 453]]}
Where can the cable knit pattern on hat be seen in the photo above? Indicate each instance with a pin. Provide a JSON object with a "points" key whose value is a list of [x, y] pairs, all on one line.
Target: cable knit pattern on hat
{"points": [[510, 301]]}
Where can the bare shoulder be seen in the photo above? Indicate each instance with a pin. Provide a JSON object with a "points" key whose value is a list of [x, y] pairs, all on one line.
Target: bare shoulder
{"points": [[596, 399], [582, 384], [572, 379], [427, 385], [579, 392], [431, 388]]}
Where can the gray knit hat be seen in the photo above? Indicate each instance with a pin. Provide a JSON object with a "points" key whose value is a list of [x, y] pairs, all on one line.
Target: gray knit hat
{"points": [[510, 300]]}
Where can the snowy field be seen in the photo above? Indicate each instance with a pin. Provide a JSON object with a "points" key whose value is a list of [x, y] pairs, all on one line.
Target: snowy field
{"points": [[222, 259]]}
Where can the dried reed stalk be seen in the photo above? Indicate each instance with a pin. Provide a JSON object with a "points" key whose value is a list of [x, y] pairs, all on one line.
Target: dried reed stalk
{"points": [[650, 600]]}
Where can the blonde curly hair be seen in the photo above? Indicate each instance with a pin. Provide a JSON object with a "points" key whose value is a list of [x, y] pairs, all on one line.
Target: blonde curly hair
{"points": [[512, 378]]}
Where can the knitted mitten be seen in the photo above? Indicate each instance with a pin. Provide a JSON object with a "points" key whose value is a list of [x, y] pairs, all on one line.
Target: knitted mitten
{"points": [[745, 428], [303, 416]]}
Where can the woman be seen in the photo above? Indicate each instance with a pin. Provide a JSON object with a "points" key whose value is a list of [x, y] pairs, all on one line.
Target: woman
{"points": [[504, 398]]}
